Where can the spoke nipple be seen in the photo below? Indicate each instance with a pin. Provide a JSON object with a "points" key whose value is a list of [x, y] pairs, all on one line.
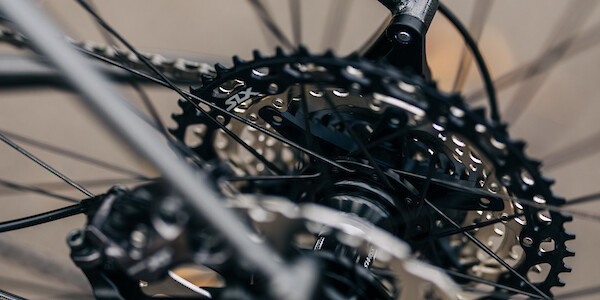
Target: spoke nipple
{"points": [[403, 37]]}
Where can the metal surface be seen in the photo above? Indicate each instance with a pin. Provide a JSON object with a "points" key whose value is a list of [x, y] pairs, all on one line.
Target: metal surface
{"points": [[423, 10], [111, 106]]}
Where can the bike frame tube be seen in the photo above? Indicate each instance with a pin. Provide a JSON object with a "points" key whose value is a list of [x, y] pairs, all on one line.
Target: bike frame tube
{"points": [[112, 107]]}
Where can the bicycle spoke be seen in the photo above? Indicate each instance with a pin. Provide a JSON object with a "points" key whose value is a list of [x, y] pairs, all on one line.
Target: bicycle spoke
{"points": [[430, 170], [355, 137], [487, 250], [472, 227], [31, 258], [220, 109], [576, 43], [6, 295], [45, 217], [483, 70], [296, 17], [491, 283], [565, 27], [46, 166], [583, 199], [20, 187], [304, 106], [71, 154], [52, 186], [593, 290], [484, 193], [280, 177], [579, 150], [481, 12], [268, 21], [338, 15], [108, 28]]}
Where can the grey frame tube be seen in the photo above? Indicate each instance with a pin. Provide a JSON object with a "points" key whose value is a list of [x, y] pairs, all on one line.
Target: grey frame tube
{"points": [[112, 107]]}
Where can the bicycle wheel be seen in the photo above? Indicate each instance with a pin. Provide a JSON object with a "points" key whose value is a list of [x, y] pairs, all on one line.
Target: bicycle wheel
{"points": [[438, 57]]}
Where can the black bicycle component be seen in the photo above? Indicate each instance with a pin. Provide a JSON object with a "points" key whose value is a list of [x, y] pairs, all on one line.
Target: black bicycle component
{"points": [[466, 147], [402, 44]]}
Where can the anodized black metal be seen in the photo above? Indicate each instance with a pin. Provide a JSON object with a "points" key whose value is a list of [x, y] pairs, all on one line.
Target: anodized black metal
{"points": [[510, 161]]}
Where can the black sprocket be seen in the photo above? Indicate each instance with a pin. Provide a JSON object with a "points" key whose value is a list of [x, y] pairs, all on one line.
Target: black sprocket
{"points": [[520, 175]]}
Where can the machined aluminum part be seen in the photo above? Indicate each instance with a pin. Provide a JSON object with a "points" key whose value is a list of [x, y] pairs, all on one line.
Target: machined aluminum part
{"points": [[412, 279]]}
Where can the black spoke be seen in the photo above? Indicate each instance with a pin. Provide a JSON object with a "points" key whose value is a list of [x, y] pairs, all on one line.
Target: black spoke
{"points": [[143, 59], [583, 199], [220, 109], [268, 21], [337, 17], [490, 283], [31, 258], [430, 170], [37, 190], [46, 166], [355, 137], [52, 186], [273, 177], [296, 16], [576, 43], [481, 11], [472, 227], [487, 250], [483, 70], [71, 154], [564, 27], [593, 290], [8, 296], [45, 217], [484, 193], [304, 105], [579, 150]]}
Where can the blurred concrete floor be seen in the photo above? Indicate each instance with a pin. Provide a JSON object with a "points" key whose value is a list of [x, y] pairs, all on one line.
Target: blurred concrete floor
{"points": [[34, 262]]}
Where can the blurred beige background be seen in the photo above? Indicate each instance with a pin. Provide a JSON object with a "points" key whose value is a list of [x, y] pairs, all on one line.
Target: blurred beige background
{"points": [[564, 112]]}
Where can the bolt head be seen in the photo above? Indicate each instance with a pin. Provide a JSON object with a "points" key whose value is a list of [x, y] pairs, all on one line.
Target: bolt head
{"points": [[403, 37]]}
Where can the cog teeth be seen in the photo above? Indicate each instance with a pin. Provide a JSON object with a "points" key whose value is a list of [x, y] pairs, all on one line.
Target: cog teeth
{"points": [[519, 145], [548, 180], [559, 200], [193, 88], [480, 111], [206, 79], [220, 69], [238, 61], [566, 268], [560, 282], [329, 54], [569, 236], [182, 103], [279, 52], [257, 55], [536, 163], [502, 126], [353, 56], [175, 116], [566, 218], [172, 131], [302, 51]]}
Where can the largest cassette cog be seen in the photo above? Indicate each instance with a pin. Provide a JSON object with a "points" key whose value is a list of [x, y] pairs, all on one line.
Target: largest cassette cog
{"points": [[413, 132]]}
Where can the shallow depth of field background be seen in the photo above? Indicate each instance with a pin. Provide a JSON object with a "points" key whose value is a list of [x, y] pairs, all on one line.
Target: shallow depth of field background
{"points": [[564, 111]]}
